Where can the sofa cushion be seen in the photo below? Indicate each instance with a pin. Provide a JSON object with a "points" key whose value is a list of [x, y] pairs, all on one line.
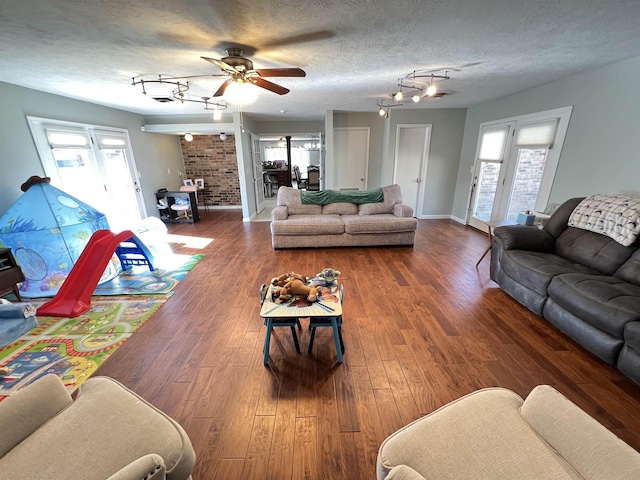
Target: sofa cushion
{"points": [[392, 195], [382, 223], [535, 270], [607, 303], [630, 270], [308, 225], [592, 250], [340, 208]]}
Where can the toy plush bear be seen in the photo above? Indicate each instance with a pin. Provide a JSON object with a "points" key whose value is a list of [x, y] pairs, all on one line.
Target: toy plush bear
{"points": [[290, 284]]}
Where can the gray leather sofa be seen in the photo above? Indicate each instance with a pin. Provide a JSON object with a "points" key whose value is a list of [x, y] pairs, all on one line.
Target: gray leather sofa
{"points": [[584, 283]]}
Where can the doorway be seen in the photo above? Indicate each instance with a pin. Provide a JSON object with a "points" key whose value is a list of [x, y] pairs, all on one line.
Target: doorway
{"points": [[351, 157], [516, 161], [93, 164], [411, 159]]}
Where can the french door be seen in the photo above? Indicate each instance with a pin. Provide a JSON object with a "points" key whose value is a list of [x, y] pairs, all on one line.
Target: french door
{"points": [[93, 164], [515, 165], [258, 176]]}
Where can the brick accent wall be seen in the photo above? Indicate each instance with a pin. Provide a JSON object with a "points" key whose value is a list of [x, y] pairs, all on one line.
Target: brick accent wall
{"points": [[215, 161]]}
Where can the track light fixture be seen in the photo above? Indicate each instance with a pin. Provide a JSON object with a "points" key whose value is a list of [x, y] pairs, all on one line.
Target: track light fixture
{"points": [[412, 87], [180, 92]]}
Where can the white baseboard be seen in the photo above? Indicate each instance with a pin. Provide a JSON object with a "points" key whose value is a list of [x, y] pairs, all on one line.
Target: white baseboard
{"points": [[458, 219], [434, 217]]}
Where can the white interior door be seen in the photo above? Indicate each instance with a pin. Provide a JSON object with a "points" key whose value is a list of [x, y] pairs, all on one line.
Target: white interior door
{"points": [[258, 176], [351, 157], [410, 170]]}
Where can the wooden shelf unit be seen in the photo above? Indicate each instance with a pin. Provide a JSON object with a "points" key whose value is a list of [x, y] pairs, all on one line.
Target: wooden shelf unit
{"points": [[168, 215]]}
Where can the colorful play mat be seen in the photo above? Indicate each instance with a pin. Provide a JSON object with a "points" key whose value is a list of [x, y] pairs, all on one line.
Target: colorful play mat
{"points": [[73, 348]]}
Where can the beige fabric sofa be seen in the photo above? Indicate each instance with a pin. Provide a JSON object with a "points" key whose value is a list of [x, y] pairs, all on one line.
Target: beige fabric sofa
{"points": [[493, 434], [296, 225], [108, 432]]}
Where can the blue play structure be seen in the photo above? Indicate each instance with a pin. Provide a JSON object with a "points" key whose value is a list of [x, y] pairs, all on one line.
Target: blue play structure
{"points": [[133, 252], [47, 230]]}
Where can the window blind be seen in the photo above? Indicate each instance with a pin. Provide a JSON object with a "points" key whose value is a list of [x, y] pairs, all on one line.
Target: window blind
{"points": [[493, 143], [67, 138], [538, 134], [111, 140]]}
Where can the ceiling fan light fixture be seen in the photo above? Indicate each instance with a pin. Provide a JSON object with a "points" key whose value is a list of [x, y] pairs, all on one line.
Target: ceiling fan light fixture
{"points": [[241, 93], [188, 137]]}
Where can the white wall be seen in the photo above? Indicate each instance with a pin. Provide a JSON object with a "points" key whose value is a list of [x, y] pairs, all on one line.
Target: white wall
{"points": [[601, 152], [154, 153]]}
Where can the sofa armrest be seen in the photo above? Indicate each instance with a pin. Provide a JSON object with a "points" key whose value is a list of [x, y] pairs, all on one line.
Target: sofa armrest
{"points": [[403, 472], [402, 210], [279, 213], [148, 467], [523, 237], [27, 410], [584, 443]]}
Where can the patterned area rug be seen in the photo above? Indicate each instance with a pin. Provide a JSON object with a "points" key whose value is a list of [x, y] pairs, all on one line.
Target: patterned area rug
{"points": [[73, 348], [140, 281]]}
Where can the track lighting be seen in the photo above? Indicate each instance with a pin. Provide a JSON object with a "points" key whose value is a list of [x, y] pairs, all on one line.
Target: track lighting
{"points": [[399, 96], [188, 137], [217, 114], [415, 98], [381, 112], [223, 136], [431, 90]]}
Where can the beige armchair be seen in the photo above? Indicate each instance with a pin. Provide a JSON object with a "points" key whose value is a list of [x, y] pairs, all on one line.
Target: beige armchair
{"points": [[493, 434], [107, 432]]}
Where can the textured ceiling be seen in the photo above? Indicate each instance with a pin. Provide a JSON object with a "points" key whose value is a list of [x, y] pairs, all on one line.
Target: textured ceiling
{"points": [[354, 51]]}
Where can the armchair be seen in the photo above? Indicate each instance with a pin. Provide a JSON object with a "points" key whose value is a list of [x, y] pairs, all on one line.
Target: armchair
{"points": [[107, 432]]}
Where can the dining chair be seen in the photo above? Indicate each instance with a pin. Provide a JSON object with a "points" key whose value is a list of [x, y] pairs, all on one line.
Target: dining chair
{"points": [[301, 182], [335, 323], [271, 323], [313, 178]]}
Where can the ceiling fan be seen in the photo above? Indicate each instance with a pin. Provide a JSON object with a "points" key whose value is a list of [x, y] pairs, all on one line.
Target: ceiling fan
{"points": [[240, 70]]}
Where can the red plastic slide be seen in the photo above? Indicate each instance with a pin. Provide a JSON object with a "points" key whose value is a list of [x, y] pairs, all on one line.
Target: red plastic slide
{"points": [[74, 297]]}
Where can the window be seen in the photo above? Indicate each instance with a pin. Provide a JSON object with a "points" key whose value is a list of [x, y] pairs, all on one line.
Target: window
{"points": [[516, 160], [93, 164]]}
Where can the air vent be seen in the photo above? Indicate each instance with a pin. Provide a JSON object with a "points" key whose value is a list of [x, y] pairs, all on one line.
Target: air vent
{"points": [[163, 99]]}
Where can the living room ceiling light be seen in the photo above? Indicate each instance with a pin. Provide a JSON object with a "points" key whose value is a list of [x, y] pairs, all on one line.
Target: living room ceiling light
{"points": [[179, 91], [217, 114], [188, 137], [223, 136]]}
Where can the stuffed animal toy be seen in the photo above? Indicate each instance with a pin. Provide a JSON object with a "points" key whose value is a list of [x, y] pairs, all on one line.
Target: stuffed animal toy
{"points": [[328, 277], [290, 284]]}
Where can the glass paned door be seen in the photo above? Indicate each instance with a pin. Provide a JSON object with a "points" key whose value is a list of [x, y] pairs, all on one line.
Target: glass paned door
{"points": [[488, 173], [527, 179]]}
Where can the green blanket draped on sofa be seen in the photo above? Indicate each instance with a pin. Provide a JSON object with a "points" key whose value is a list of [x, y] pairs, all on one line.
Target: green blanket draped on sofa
{"points": [[326, 197]]}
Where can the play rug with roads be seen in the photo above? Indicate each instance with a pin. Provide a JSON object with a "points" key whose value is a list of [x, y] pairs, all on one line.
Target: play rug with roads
{"points": [[140, 281], [73, 348]]}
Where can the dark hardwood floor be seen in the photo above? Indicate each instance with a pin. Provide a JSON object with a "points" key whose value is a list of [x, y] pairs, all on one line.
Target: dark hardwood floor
{"points": [[422, 327]]}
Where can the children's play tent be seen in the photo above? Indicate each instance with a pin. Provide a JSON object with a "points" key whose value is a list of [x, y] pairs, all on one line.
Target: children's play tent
{"points": [[47, 230]]}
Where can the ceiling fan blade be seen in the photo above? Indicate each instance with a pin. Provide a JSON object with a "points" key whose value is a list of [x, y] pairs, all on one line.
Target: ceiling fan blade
{"points": [[301, 38], [261, 82], [222, 88], [219, 63], [281, 72]]}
